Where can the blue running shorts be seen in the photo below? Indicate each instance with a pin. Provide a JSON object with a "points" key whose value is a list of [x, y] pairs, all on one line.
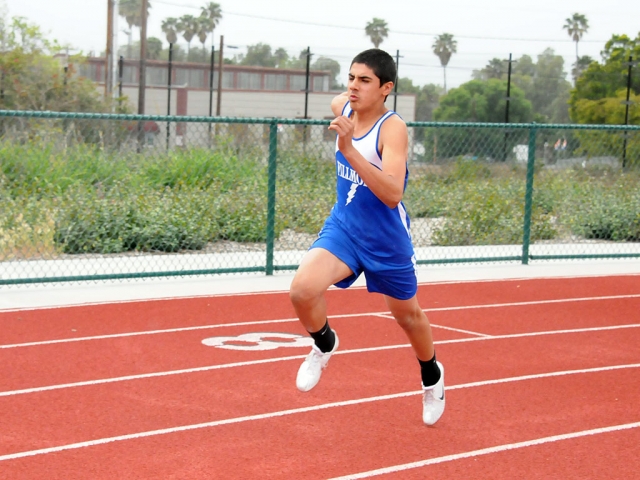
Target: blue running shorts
{"points": [[394, 276]]}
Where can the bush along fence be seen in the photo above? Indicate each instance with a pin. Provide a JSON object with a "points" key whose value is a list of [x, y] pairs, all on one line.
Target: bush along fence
{"points": [[110, 197]]}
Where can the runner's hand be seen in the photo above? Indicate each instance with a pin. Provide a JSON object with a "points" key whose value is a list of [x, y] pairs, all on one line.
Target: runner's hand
{"points": [[343, 126]]}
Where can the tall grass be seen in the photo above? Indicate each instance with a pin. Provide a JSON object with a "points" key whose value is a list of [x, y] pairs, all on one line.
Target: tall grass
{"points": [[86, 200]]}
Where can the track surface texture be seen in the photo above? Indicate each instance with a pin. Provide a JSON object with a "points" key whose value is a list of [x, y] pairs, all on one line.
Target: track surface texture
{"points": [[542, 379]]}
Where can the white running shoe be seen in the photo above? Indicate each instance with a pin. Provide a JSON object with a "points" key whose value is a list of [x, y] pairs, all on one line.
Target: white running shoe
{"points": [[433, 400], [311, 369]]}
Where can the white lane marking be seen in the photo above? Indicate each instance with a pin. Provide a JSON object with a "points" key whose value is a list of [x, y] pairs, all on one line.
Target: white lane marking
{"points": [[290, 320], [282, 413], [296, 357], [490, 450], [391, 317], [469, 332]]}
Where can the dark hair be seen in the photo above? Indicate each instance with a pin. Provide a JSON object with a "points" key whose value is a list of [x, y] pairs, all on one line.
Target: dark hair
{"points": [[380, 62]]}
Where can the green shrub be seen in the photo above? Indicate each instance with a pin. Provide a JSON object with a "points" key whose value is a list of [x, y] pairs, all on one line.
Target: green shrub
{"points": [[86, 200], [611, 216], [491, 214]]}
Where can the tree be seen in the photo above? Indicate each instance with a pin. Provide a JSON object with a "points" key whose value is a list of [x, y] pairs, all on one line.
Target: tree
{"points": [[154, 48], [483, 101], [477, 101], [131, 10], [282, 57], [549, 89], [576, 26], [543, 83], [377, 30], [427, 101], [205, 25], [496, 68], [580, 66], [604, 80], [326, 63], [33, 79], [188, 25], [259, 55], [170, 27], [210, 17], [445, 46]]}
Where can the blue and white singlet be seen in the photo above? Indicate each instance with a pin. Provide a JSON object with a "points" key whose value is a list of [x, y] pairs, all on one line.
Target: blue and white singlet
{"points": [[376, 228]]}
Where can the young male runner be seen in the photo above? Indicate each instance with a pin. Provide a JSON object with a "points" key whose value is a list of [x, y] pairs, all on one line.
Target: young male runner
{"points": [[368, 228]]}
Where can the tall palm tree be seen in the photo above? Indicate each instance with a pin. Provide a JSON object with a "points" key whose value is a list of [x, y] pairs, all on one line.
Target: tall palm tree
{"points": [[131, 10], [204, 27], [170, 29], [445, 46], [188, 26], [213, 13], [377, 30], [576, 26]]}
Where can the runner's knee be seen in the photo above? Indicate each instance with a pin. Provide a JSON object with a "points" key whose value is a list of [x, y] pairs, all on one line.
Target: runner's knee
{"points": [[302, 293]]}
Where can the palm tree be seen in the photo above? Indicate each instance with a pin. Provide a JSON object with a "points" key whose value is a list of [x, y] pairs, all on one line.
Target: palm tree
{"points": [[170, 29], [445, 46], [377, 30], [576, 27], [205, 25], [131, 10], [213, 13], [188, 25]]}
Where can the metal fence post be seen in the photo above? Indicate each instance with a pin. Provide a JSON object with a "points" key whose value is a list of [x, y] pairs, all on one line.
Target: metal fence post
{"points": [[271, 193], [528, 196]]}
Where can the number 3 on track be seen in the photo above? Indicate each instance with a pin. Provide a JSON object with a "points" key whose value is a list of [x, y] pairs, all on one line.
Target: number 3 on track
{"points": [[259, 341]]}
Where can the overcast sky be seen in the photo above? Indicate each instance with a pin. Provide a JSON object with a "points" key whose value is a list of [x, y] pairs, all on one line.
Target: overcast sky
{"points": [[335, 28]]}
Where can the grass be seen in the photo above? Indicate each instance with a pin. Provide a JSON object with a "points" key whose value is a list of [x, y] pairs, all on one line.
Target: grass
{"points": [[85, 200]]}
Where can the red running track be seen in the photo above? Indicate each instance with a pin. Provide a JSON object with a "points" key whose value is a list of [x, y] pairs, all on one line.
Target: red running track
{"points": [[542, 379]]}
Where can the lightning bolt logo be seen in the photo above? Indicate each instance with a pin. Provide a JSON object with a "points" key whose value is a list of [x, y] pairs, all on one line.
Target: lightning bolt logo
{"points": [[352, 193]]}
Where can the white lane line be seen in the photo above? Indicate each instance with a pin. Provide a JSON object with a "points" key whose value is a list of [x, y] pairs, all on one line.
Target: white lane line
{"points": [[490, 450], [533, 302], [282, 413], [290, 320], [295, 357], [469, 332]]}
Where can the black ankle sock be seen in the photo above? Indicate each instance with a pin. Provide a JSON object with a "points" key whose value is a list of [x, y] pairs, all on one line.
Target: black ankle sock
{"points": [[430, 371], [325, 339]]}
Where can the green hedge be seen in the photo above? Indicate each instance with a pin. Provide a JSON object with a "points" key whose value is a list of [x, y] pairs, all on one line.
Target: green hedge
{"points": [[88, 201]]}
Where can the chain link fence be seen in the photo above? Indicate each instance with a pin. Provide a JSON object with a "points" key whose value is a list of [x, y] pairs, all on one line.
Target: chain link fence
{"points": [[97, 197]]}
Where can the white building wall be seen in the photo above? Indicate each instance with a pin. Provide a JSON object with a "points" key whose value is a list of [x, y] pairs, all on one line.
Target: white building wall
{"points": [[262, 104]]}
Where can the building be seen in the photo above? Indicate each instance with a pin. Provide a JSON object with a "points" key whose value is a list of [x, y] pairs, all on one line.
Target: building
{"points": [[257, 92]]}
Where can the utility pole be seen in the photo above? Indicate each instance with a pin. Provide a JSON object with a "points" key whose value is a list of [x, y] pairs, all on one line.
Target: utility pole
{"points": [[220, 63], [143, 60], [220, 69], [111, 60], [213, 52], [506, 114], [169, 92], [305, 129], [142, 83], [306, 87], [627, 103], [395, 84]]}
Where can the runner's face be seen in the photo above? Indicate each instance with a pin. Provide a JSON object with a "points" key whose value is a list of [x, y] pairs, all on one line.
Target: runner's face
{"points": [[364, 87]]}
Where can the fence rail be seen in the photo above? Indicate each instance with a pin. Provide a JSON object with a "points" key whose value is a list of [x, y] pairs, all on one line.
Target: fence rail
{"points": [[110, 197]]}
